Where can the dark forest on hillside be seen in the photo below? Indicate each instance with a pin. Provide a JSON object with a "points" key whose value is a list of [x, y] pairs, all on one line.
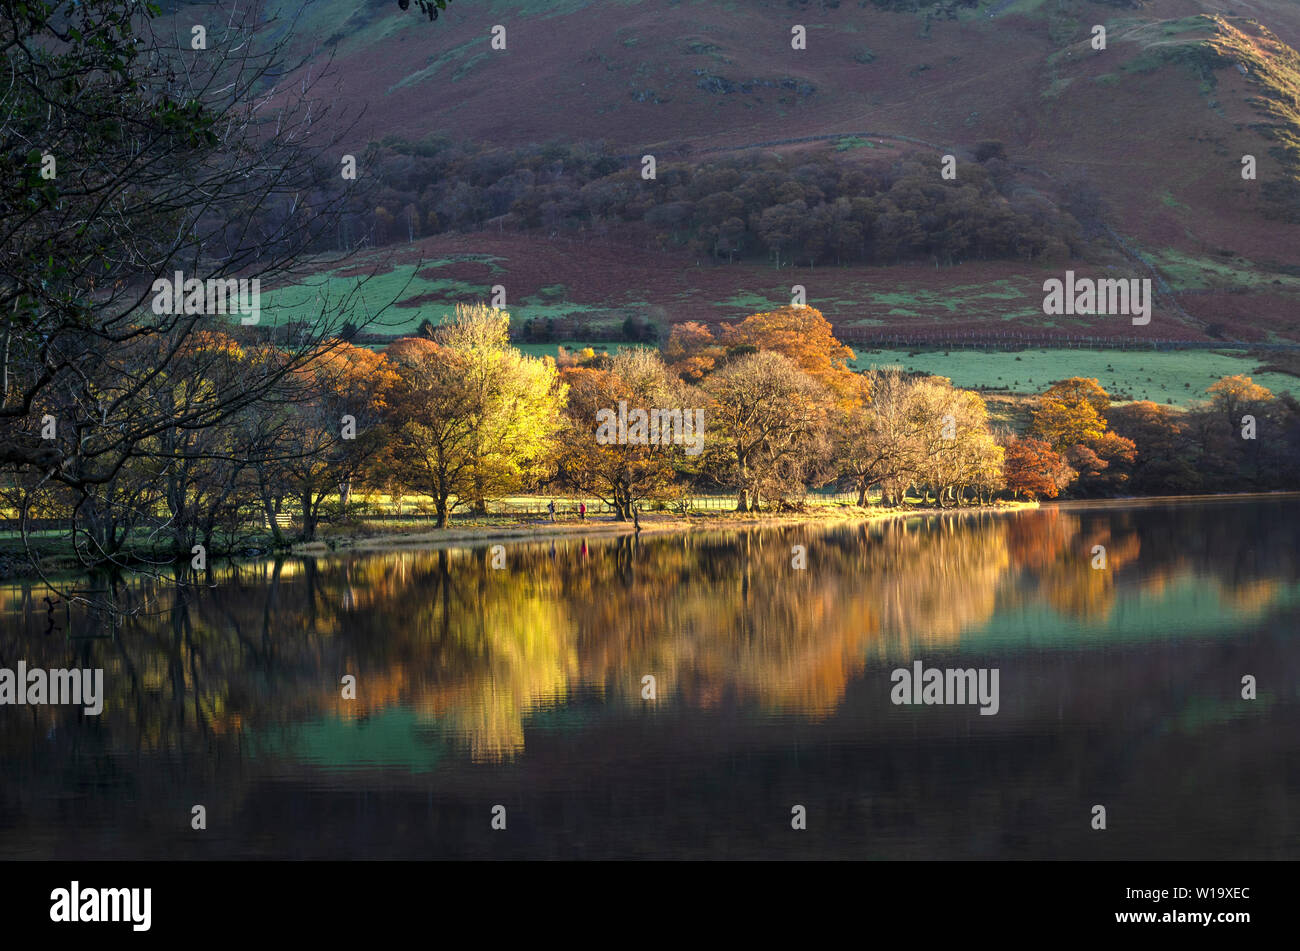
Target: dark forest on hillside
{"points": [[802, 208]]}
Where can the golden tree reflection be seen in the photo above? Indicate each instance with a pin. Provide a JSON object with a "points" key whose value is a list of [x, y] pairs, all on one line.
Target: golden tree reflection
{"points": [[718, 618]]}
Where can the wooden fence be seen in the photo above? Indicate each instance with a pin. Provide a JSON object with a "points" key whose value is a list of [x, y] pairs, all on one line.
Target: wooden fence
{"points": [[872, 339]]}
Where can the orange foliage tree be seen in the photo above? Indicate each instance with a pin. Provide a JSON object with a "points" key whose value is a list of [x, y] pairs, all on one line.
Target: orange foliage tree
{"points": [[333, 429], [1070, 418], [1033, 469], [807, 339], [692, 352], [1233, 395]]}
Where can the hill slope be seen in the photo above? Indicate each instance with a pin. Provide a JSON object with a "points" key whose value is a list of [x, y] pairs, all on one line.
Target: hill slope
{"points": [[1143, 141]]}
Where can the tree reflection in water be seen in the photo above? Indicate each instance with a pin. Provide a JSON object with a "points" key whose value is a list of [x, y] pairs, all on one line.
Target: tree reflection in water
{"points": [[227, 684]]}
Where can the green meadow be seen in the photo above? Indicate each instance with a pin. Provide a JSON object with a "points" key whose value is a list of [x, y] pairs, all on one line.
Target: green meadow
{"points": [[396, 300], [1176, 378]]}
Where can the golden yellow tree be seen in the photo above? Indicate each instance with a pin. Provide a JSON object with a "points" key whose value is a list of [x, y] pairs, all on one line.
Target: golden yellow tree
{"points": [[514, 403], [807, 339]]}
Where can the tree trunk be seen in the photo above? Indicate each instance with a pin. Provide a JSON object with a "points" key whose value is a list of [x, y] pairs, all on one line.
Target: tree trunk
{"points": [[268, 509], [742, 481], [478, 504], [308, 518]]}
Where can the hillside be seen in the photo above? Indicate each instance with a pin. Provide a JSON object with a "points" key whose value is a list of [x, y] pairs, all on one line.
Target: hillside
{"points": [[1140, 143]]}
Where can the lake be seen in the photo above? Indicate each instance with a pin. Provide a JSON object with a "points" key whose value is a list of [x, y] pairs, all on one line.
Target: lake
{"points": [[525, 687]]}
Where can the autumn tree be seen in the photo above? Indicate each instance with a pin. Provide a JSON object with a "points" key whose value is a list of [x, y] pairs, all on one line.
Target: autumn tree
{"points": [[956, 449], [1232, 445], [205, 473], [692, 352], [514, 404], [1070, 417], [1071, 412], [433, 413], [1165, 462], [767, 418], [622, 474], [331, 427], [1032, 468], [1236, 395], [131, 160], [806, 338], [876, 443]]}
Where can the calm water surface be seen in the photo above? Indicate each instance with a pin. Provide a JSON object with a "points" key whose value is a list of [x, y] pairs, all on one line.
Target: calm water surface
{"points": [[523, 687]]}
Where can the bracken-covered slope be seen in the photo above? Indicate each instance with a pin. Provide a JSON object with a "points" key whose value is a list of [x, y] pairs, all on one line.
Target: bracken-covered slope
{"points": [[1143, 141]]}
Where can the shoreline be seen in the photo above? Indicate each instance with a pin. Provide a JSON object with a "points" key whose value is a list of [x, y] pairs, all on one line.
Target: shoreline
{"points": [[660, 523], [374, 539], [657, 523]]}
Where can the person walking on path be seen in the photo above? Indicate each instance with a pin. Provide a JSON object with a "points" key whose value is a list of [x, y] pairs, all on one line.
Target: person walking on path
{"points": [[582, 511], [550, 507]]}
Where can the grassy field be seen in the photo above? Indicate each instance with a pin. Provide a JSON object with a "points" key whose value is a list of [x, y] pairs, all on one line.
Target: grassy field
{"points": [[1189, 272], [573, 346], [388, 289], [1175, 378], [399, 297]]}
